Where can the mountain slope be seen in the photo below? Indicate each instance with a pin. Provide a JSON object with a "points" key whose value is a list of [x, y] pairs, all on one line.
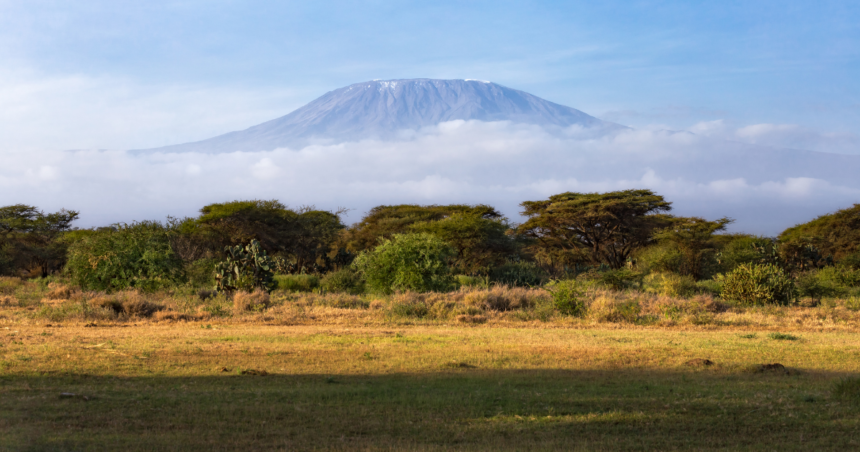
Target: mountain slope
{"points": [[382, 109]]}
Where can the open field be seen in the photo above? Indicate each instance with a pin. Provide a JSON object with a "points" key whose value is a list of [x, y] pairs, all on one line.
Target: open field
{"points": [[192, 386]]}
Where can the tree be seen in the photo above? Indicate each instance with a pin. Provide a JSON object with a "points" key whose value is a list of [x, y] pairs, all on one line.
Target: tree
{"points": [[694, 238], [417, 262], [480, 243], [382, 222], [30, 238], [605, 227], [836, 235], [304, 235], [136, 255]]}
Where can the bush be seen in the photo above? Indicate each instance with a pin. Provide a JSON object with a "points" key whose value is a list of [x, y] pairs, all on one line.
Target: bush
{"points": [[758, 284], [710, 287], [297, 283], [567, 297], [659, 258], [136, 255], [472, 281], [620, 279], [201, 273], [346, 280], [518, 274], [416, 262]]}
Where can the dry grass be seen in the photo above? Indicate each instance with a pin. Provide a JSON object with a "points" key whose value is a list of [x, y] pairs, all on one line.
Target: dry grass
{"points": [[28, 302], [229, 385]]}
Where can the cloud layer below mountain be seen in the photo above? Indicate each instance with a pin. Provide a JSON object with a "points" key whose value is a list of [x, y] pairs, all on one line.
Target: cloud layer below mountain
{"points": [[498, 163]]}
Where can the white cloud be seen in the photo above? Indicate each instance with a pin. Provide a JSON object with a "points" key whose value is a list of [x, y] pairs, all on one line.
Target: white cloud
{"points": [[498, 163], [790, 136]]}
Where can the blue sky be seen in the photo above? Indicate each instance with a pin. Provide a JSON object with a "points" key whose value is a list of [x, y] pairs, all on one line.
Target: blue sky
{"points": [[641, 63], [108, 76]]}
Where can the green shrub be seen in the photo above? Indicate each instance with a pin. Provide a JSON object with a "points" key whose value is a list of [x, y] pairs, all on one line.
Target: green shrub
{"points": [[659, 258], [812, 286], [345, 280], [567, 297], [136, 255], [472, 281], [710, 287], [297, 283], [853, 304], [416, 262], [758, 284], [518, 274], [620, 279], [841, 277], [201, 273]]}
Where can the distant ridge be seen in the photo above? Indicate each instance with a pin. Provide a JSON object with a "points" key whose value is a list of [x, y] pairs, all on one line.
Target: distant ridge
{"points": [[383, 108]]}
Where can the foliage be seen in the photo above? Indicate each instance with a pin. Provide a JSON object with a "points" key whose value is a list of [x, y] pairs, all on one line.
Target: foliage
{"points": [[383, 222], [758, 284], [607, 226], [31, 239], [304, 236], [738, 249], [836, 234], [518, 273], [659, 258], [201, 273], [417, 262], [694, 239], [567, 296], [346, 280], [480, 242], [245, 268], [136, 255], [297, 283], [620, 279]]}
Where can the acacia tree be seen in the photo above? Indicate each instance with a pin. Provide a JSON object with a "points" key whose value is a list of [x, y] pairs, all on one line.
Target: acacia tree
{"points": [[29, 238], [694, 238], [304, 235], [382, 222], [606, 226]]}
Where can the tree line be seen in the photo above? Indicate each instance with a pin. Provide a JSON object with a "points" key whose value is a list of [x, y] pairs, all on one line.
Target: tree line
{"points": [[563, 236]]}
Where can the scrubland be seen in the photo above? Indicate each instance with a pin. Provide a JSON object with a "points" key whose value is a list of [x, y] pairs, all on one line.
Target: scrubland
{"points": [[473, 369]]}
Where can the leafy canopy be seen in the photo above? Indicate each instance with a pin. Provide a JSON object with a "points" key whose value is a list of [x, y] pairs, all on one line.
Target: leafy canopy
{"points": [[136, 255], [30, 238], [605, 227], [417, 262]]}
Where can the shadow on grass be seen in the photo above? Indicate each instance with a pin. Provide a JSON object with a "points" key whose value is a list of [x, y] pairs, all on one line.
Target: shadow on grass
{"points": [[464, 409]]}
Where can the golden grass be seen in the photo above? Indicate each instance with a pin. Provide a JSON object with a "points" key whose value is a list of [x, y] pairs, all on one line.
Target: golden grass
{"points": [[228, 385]]}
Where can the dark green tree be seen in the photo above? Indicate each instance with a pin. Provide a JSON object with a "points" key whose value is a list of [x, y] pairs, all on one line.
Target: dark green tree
{"points": [[31, 239], [694, 238], [383, 222], [303, 236], [602, 227]]}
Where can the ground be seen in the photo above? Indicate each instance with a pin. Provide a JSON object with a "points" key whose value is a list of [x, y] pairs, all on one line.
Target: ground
{"points": [[403, 386]]}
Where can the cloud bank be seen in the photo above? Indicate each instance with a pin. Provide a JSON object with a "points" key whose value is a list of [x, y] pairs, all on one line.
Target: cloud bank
{"points": [[498, 163]]}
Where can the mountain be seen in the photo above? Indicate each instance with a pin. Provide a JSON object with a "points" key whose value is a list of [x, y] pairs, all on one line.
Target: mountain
{"points": [[384, 109]]}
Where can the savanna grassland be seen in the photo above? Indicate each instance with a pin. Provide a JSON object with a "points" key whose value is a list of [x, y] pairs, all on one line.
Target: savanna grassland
{"points": [[303, 374], [603, 322]]}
